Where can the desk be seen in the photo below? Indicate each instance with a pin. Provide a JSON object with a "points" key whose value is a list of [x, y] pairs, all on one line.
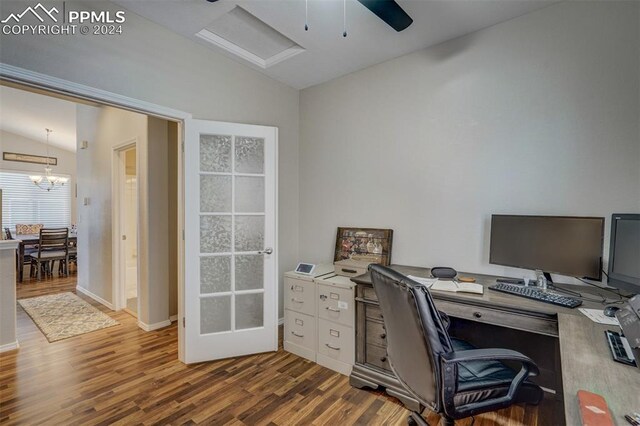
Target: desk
{"points": [[30, 240], [582, 355]]}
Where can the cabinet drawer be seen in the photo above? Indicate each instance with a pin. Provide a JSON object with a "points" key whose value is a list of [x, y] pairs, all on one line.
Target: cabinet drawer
{"points": [[373, 311], [499, 317], [368, 293], [300, 296], [300, 329], [377, 357], [336, 304], [336, 341], [376, 334]]}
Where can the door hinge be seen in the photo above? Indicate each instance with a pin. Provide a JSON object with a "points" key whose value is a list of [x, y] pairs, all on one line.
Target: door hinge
{"points": [[183, 322], [182, 146], [183, 235]]}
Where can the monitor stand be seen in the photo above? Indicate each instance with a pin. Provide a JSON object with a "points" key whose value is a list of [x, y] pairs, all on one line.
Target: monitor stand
{"points": [[543, 280]]}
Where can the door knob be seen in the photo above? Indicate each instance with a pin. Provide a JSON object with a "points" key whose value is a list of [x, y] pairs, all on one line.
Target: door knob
{"points": [[266, 251]]}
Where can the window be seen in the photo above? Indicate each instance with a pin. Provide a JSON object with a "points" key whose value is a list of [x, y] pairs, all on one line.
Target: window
{"points": [[23, 202]]}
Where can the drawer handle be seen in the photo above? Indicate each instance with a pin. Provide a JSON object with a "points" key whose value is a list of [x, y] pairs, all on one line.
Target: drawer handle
{"points": [[331, 347], [349, 271], [294, 300], [477, 314], [383, 359], [329, 308], [296, 334], [383, 336]]}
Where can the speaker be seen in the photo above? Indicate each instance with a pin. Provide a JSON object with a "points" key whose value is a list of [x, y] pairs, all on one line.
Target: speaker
{"points": [[443, 272]]}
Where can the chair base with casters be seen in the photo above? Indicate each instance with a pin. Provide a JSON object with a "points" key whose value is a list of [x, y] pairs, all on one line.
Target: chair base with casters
{"points": [[447, 375]]}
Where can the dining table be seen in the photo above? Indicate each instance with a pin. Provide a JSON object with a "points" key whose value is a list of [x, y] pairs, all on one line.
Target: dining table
{"points": [[27, 240]]}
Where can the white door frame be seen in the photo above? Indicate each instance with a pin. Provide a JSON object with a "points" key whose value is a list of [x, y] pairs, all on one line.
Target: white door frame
{"points": [[21, 76], [118, 254]]}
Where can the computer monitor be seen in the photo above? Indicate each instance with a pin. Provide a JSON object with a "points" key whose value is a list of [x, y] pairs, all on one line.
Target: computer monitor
{"points": [[624, 252], [559, 244]]}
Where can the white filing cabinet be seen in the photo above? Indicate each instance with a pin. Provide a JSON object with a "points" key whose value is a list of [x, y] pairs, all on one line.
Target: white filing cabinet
{"points": [[300, 312], [319, 318], [336, 318]]}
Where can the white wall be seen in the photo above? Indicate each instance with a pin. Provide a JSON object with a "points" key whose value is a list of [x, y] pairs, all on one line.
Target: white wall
{"points": [[103, 128], [10, 142], [537, 115], [150, 63]]}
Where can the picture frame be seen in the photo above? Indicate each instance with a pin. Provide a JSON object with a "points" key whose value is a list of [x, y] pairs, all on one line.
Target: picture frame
{"points": [[371, 245], [29, 158]]}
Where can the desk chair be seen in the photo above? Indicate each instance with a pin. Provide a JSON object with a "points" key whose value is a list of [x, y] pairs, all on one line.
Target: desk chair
{"points": [[447, 375]]}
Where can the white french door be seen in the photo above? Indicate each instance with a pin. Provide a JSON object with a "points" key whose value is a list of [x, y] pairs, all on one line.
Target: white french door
{"points": [[230, 297]]}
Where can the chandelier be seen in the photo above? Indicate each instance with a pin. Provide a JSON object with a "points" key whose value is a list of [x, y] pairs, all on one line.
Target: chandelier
{"points": [[48, 181]]}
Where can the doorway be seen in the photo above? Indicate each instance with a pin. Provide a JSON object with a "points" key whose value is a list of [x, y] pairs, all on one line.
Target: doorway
{"points": [[126, 208]]}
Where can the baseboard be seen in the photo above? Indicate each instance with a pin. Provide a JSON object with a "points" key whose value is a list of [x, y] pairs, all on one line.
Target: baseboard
{"points": [[281, 321], [94, 297], [173, 318], [155, 326], [9, 347]]}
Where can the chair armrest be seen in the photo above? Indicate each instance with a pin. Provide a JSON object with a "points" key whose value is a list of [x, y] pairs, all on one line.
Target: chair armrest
{"points": [[491, 355], [450, 361]]}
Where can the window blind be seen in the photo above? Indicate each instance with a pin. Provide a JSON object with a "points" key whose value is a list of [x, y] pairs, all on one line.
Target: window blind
{"points": [[23, 202]]}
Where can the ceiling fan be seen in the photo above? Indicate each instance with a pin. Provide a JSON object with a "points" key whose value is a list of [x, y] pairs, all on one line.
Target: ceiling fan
{"points": [[387, 10], [390, 12]]}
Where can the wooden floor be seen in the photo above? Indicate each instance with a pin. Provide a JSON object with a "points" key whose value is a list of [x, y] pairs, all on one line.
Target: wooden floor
{"points": [[125, 376]]}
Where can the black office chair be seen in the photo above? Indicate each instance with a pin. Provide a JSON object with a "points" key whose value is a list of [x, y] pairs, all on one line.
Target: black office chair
{"points": [[447, 375]]}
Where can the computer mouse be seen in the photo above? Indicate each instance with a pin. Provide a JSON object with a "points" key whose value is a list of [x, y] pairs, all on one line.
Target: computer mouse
{"points": [[610, 311]]}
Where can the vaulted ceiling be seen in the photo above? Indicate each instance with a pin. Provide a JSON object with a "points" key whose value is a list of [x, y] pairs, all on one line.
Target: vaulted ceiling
{"points": [[27, 114], [327, 54]]}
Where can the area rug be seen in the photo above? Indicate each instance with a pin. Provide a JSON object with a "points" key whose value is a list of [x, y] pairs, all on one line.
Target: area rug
{"points": [[64, 315]]}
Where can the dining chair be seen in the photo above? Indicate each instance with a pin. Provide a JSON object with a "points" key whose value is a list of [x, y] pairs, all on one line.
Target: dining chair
{"points": [[26, 253], [28, 229], [53, 245], [73, 258]]}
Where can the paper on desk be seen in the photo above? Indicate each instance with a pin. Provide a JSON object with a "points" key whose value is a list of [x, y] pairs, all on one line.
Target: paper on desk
{"points": [[596, 315], [448, 285]]}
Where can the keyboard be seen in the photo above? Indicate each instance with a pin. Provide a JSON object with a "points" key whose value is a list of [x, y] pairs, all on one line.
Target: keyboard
{"points": [[536, 294], [618, 350]]}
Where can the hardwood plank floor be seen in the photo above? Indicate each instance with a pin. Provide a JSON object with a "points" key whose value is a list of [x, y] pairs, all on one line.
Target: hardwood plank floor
{"points": [[125, 376]]}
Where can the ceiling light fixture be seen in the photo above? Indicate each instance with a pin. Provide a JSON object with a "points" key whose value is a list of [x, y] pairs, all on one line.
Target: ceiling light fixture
{"points": [[48, 181]]}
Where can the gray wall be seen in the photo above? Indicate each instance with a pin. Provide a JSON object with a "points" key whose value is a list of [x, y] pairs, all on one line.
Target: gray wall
{"points": [[537, 115], [11, 142], [152, 64]]}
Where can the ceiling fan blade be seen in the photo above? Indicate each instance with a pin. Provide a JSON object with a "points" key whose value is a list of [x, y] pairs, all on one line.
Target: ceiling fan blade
{"points": [[390, 12]]}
